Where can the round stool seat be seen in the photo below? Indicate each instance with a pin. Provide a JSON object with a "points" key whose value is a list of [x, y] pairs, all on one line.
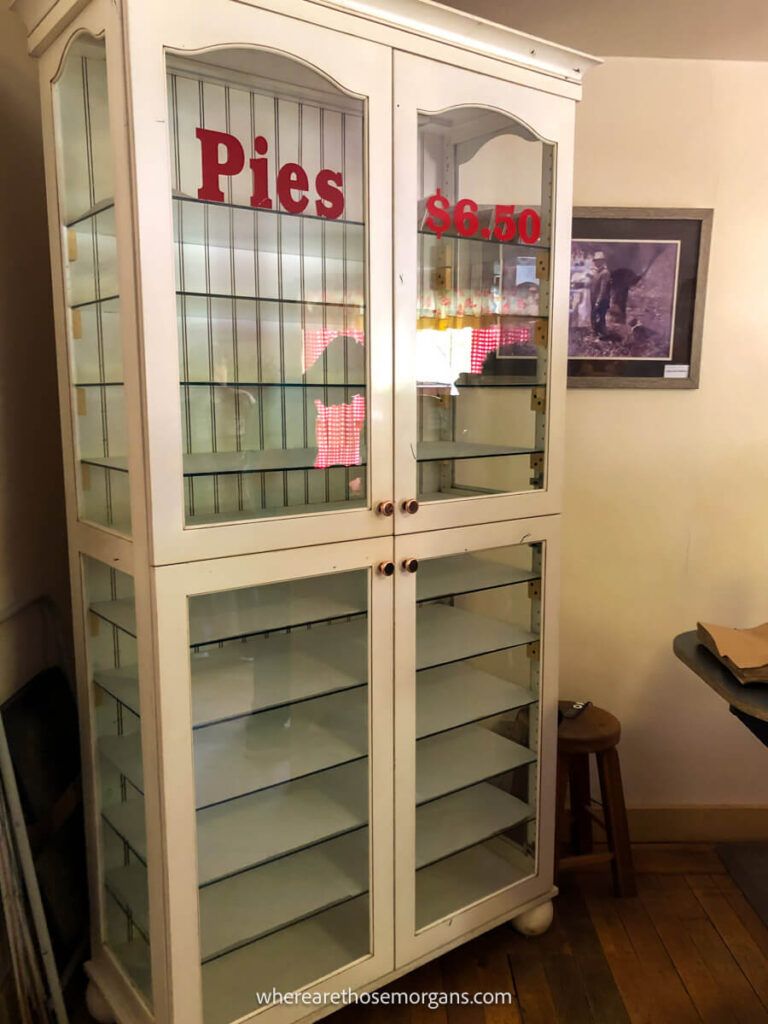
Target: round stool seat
{"points": [[590, 732]]}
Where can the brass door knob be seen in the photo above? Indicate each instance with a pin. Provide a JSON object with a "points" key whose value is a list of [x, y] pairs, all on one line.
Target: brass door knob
{"points": [[411, 506], [386, 568], [386, 508], [410, 564]]}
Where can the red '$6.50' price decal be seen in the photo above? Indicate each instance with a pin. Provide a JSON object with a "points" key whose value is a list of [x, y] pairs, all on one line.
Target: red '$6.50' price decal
{"points": [[507, 225]]}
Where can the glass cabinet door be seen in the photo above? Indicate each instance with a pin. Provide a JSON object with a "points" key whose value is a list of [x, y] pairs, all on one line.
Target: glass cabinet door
{"points": [[475, 202], [276, 390], [290, 710], [469, 631], [270, 236]]}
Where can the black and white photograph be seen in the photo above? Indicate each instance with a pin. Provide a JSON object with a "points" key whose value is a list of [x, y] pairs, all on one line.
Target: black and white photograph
{"points": [[622, 300], [636, 301]]}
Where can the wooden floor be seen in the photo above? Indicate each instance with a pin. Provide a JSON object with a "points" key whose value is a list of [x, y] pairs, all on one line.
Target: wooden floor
{"points": [[688, 948]]}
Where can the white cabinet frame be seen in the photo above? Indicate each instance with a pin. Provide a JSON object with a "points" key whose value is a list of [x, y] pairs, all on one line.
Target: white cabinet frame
{"points": [[424, 86], [400, 57]]}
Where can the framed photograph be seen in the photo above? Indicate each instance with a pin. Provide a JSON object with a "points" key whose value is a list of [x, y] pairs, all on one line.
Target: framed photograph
{"points": [[638, 281]]}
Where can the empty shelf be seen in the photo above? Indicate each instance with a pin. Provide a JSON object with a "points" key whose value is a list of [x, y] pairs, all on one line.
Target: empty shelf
{"points": [[273, 512], [444, 888], [286, 960], [463, 819], [438, 451], [263, 673], [254, 753], [286, 459], [232, 837], [232, 615], [462, 757], [268, 673], [221, 463], [464, 574], [456, 694], [445, 634], [255, 903]]}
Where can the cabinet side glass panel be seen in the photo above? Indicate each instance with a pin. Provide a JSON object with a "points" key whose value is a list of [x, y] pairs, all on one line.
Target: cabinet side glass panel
{"points": [[270, 237], [113, 668], [89, 257], [280, 716], [483, 240], [477, 690]]}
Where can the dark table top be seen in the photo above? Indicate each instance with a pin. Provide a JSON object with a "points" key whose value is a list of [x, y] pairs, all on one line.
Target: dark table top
{"points": [[751, 699]]}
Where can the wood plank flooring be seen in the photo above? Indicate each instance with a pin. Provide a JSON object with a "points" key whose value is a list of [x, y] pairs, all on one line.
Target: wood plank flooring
{"points": [[689, 948]]}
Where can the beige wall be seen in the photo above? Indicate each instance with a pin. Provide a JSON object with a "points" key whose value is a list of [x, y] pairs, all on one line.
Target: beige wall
{"points": [[667, 492], [32, 530]]}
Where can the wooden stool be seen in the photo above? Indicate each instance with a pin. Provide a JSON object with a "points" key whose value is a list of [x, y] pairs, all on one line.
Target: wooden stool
{"points": [[597, 732]]}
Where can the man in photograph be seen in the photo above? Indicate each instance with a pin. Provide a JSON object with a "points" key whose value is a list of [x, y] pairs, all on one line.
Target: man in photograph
{"points": [[600, 293]]}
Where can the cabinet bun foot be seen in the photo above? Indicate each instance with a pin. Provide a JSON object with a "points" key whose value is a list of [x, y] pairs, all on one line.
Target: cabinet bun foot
{"points": [[534, 921], [97, 1005]]}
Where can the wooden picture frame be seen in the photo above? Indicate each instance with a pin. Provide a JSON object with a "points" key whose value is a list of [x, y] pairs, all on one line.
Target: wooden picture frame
{"points": [[656, 333]]}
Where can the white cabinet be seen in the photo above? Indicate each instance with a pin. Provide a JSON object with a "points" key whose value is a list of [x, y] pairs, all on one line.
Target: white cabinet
{"points": [[310, 265]]}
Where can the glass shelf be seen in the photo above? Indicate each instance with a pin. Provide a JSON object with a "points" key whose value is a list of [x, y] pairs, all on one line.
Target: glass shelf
{"points": [[287, 459], [308, 304], [236, 758], [241, 229], [184, 199], [108, 204], [258, 902], [317, 385], [469, 877], [95, 302], [518, 248], [304, 602]]}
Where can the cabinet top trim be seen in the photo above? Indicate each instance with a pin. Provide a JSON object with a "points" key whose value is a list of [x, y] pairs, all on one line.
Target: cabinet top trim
{"points": [[44, 19], [457, 28]]}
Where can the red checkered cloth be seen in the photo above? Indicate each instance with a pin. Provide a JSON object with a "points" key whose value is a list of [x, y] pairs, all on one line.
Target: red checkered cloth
{"points": [[337, 430], [490, 339], [317, 340]]}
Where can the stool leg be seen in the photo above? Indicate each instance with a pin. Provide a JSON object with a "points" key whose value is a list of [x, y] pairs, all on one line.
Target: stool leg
{"points": [[609, 772], [561, 824], [581, 825]]}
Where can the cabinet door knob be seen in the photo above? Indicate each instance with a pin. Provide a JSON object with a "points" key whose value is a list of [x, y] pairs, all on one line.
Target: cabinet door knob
{"points": [[386, 568], [411, 506], [386, 508], [410, 564]]}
